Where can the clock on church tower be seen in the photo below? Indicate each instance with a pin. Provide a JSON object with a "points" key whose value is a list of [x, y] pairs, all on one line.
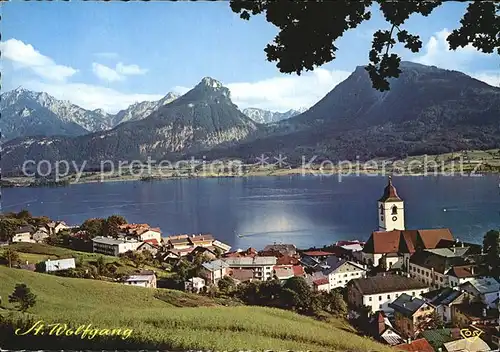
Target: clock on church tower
{"points": [[390, 209]]}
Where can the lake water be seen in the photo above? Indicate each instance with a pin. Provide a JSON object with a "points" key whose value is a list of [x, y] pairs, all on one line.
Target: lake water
{"points": [[304, 210]]}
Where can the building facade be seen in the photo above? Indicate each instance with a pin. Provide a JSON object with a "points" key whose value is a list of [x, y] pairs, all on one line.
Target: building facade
{"points": [[112, 246]]}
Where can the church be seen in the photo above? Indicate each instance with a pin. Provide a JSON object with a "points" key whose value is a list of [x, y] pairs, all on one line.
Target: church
{"points": [[392, 245]]}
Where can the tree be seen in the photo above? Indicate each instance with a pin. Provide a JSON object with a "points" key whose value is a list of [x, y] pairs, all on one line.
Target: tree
{"points": [[302, 298], [10, 256], [101, 266], [111, 226], [94, 227], [308, 31], [491, 247], [7, 229], [23, 297], [24, 215], [226, 285]]}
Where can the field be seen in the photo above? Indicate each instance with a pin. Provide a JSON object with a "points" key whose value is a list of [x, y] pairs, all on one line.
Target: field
{"points": [[165, 319]]}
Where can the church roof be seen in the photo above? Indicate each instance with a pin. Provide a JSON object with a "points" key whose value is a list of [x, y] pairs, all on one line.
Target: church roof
{"points": [[406, 241], [390, 193]]}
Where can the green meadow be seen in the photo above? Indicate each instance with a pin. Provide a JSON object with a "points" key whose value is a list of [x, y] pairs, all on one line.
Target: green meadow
{"points": [[161, 319]]}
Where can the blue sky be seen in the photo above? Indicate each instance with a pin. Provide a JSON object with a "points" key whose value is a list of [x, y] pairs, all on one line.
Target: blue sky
{"points": [[109, 55]]}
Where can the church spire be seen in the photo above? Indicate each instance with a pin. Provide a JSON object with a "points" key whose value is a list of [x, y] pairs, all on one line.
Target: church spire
{"points": [[390, 193]]}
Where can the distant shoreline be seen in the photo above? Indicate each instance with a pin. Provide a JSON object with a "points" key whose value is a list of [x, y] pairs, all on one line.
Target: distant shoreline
{"points": [[27, 182]]}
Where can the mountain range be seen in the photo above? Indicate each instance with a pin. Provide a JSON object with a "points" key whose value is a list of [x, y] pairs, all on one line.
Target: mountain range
{"points": [[266, 116], [428, 110], [26, 113]]}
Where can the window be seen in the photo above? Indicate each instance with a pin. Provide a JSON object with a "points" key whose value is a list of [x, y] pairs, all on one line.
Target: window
{"points": [[394, 210], [381, 210], [369, 299], [413, 293], [379, 298], [397, 295], [388, 296]]}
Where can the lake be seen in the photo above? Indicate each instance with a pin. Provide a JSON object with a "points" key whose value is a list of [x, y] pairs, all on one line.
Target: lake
{"points": [[304, 210]]}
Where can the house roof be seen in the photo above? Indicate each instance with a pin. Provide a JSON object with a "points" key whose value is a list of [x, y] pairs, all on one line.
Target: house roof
{"points": [[437, 260], [197, 280], [283, 271], [438, 337], [242, 274], [390, 193], [388, 283], [467, 345], [420, 345], [319, 282], [109, 240], [443, 296], [215, 265], [484, 285], [431, 238], [463, 271], [334, 263], [250, 261], [383, 242], [141, 278], [287, 260], [201, 238], [152, 241], [24, 229], [317, 253], [407, 305]]}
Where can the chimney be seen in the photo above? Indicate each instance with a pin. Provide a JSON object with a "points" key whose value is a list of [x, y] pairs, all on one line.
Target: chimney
{"points": [[404, 304], [409, 340], [484, 313], [472, 270]]}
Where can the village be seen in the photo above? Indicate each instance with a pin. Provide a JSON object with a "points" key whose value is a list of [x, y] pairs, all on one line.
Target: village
{"points": [[413, 289]]}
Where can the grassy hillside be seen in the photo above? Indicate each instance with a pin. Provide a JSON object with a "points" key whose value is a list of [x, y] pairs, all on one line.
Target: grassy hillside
{"points": [[162, 319], [37, 252]]}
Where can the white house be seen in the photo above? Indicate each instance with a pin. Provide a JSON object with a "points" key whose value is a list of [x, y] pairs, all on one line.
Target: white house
{"points": [[194, 284], [224, 248], [146, 279], [55, 227], [214, 271], [262, 267], [378, 292], [40, 235], [112, 246], [59, 264], [23, 234], [487, 289], [337, 272]]}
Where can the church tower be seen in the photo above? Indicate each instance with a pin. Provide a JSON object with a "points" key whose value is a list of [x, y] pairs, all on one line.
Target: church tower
{"points": [[390, 210]]}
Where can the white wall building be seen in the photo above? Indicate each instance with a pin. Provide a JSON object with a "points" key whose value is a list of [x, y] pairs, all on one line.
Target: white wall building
{"points": [[194, 284], [263, 267], [141, 280], [112, 246], [378, 291], [59, 264]]}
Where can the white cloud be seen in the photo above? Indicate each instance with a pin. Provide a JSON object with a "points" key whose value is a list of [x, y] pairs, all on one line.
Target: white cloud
{"points": [[118, 73], [91, 96], [24, 56], [437, 53], [106, 73], [130, 69], [286, 92]]}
